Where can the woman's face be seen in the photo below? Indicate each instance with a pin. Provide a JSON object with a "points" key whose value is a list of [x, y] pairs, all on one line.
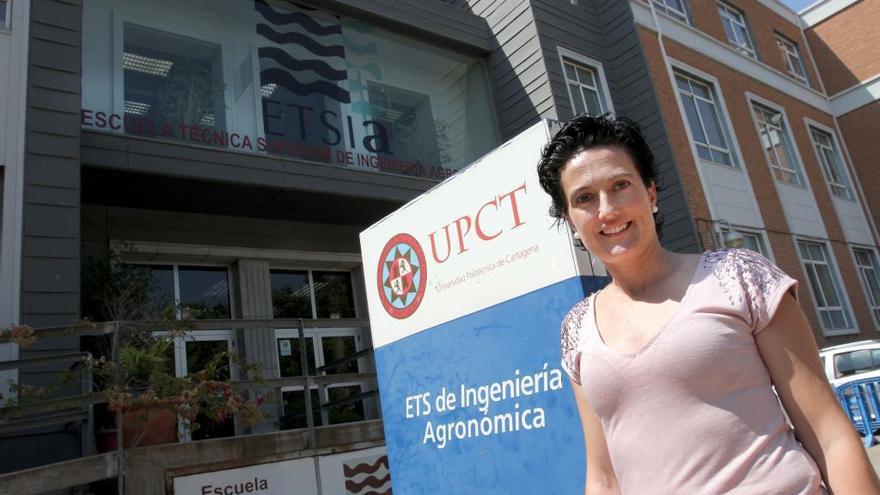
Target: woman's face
{"points": [[608, 205]]}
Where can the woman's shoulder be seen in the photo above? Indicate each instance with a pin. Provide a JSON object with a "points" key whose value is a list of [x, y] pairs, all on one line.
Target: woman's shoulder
{"points": [[741, 263], [570, 337], [573, 321], [743, 273]]}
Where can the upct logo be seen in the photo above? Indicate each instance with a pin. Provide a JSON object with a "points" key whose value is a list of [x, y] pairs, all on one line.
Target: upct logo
{"points": [[401, 276]]}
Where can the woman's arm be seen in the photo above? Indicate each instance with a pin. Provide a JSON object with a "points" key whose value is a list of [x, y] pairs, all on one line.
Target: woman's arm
{"points": [[600, 474], [788, 349]]}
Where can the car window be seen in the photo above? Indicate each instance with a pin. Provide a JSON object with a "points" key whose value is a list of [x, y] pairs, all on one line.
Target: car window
{"points": [[850, 363]]}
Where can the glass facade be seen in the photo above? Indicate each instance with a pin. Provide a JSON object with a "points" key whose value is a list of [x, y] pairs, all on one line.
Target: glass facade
{"points": [[4, 14], [285, 80]]}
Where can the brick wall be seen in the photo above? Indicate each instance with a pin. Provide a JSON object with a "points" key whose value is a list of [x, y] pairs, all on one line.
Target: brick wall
{"points": [[859, 129], [764, 23], [733, 86], [845, 45]]}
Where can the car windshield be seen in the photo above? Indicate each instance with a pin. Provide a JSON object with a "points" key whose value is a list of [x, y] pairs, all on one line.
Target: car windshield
{"points": [[851, 363]]}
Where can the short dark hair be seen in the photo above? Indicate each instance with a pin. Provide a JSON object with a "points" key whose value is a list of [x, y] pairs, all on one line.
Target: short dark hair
{"points": [[589, 131]]}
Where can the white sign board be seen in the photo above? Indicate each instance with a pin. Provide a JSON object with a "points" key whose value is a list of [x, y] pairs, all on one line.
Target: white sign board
{"points": [[293, 477]]}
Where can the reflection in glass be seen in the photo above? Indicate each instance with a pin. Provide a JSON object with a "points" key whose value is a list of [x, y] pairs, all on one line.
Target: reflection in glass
{"points": [[290, 294], [171, 79], [205, 291], [333, 295], [345, 413], [289, 356], [161, 296], [211, 357], [336, 348], [294, 403]]}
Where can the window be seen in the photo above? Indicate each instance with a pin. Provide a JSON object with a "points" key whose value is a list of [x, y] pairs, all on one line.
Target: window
{"points": [[737, 30], [201, 292], [755, 242], [866, 261], [831, 162], [792, 56], [778, 144], [171, 79], [850, 363], [323, 347], [311, 294], [709, 132], [677, 9], [201, 351], [751, 240], [5, 14], [833, 311], [584, 87]]}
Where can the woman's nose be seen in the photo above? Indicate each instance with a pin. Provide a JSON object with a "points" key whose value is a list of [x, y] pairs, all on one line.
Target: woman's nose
{"points": [[607, 206]]}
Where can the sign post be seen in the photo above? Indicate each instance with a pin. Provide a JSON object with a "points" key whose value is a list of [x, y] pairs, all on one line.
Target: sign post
{"points": [[466, 288]]}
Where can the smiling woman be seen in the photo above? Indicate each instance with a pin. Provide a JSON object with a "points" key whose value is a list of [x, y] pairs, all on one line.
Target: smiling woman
{"points": [[674, 363]]}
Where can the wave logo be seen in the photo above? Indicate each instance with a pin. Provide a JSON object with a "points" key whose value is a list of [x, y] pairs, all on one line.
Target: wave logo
{"points": [[308, 46], [402, 276], [367, 473]]}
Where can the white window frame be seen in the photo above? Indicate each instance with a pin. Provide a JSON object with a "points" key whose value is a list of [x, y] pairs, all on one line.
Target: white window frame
{"points": [[837, 280], [693, 75], [680, 15], [874, 309], [802, 180], [6, 23], [181, 367], [316, 335], [736, 18], [590, 64], [759, 234], [812, 125], [790, 49]]}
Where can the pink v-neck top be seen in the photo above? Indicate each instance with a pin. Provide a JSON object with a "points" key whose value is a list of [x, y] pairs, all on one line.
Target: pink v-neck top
{"points": [[693, 412]]}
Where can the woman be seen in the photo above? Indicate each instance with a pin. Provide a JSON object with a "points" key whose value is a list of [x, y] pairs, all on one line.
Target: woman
{"points": [[672, 363]]}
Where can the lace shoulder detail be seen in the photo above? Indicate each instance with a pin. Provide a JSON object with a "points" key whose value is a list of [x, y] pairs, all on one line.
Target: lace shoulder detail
{"points": [[570, 336], [750, 281]]}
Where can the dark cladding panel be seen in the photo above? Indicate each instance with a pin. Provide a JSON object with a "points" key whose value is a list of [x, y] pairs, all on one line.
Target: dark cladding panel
{"points": [[520, 87], [437, 20], [50, 266]]}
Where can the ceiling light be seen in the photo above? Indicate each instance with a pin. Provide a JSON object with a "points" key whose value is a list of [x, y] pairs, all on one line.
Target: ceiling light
{"points": [[136, 108], [147, 65], [267, 90]]}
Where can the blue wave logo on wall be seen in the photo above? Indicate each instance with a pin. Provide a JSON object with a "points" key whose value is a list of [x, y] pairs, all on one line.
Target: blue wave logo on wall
{"points": [[300, 33]]}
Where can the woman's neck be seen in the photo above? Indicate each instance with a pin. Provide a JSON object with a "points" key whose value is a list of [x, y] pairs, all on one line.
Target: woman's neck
{"points": [[635, 276]]}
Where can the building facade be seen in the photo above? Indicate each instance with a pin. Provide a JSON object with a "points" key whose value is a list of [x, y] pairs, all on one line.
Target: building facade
{"points": [[237, 148]]}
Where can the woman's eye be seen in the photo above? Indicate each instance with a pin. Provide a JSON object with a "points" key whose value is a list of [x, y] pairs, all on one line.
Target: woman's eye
{"points": [[583, 198], [621, 185]]}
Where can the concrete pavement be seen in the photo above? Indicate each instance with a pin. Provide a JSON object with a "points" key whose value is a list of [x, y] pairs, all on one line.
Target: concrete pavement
{"points": [[874, 456]]}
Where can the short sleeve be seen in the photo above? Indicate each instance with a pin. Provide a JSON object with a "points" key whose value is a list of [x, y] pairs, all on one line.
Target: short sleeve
{"points": [[569, 337], [752, 283], [766, 285]]}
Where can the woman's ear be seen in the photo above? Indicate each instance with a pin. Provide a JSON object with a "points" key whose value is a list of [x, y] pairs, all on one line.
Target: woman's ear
{"points": [[652, 193]]}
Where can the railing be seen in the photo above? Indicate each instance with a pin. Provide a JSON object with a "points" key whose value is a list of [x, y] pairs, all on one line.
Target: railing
{"points": [[860, 400], [78, 409]]}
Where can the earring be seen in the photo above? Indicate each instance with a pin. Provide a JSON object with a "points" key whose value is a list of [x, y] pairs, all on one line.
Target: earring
{"points": [[654, 209], [576, 236]]}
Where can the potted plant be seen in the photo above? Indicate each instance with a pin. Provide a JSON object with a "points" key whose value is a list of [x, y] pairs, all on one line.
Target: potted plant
{"points": [[134, 365]]}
